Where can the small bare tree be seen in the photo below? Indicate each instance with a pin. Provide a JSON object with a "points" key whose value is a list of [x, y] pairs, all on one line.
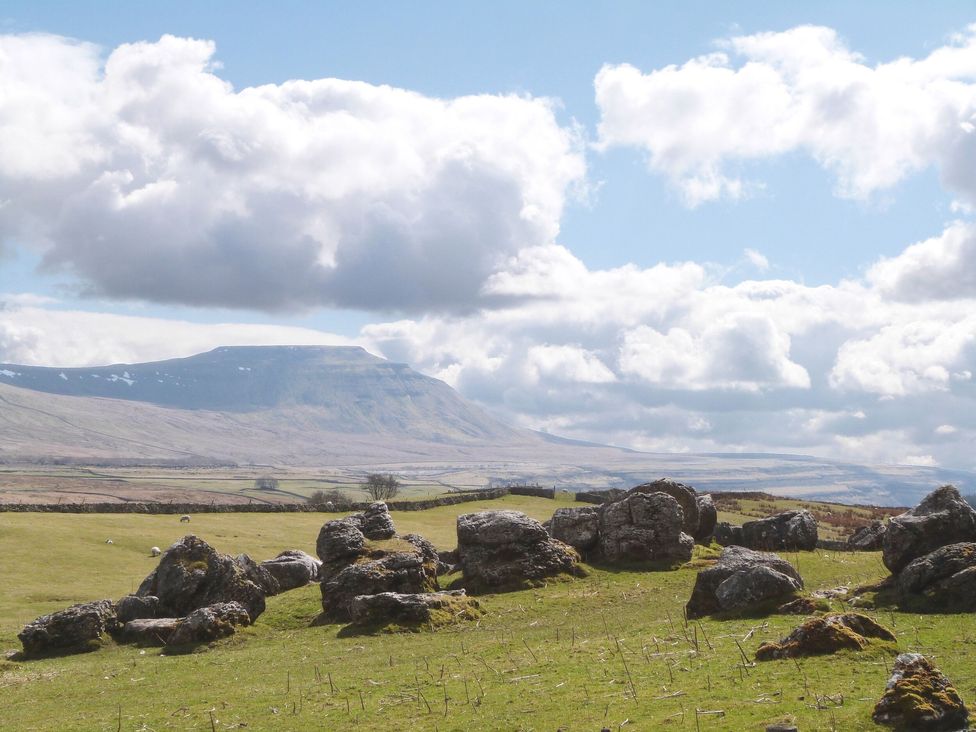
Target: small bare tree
{"points": [[381, 486], [266, 483]]}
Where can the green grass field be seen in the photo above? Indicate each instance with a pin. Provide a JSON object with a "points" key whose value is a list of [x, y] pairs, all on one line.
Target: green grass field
{"points": [[609, 650]]}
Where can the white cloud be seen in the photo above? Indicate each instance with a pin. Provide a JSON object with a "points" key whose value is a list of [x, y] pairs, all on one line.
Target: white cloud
{"points": [[940, 268], [150, 177], [757, 259], [799, 90]]}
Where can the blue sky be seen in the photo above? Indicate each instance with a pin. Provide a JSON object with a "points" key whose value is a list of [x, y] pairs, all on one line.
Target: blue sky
{"points": [[814, 209]]}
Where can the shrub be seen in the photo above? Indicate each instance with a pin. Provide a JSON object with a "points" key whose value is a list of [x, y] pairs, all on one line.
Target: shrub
{"points": [[381, 486]]}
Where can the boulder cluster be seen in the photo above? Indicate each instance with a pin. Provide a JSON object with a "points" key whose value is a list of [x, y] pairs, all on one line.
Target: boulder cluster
{"points": [[652, 522], [195, 595], [794, 530]]}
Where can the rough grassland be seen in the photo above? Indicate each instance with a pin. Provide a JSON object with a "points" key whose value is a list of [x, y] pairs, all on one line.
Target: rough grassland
{"points": [[608, 650]]}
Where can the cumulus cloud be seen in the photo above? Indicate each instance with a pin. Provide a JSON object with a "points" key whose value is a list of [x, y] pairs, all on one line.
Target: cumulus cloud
{"points": [[803, 89], [940, 268], [147, 176]]}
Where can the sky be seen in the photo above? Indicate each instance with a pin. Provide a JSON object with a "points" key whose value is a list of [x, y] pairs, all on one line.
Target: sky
{"points": [[694, 228]]}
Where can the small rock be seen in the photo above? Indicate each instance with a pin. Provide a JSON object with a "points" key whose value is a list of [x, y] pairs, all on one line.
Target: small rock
{"points": [[339, 539], [377, 522], [209, 623], [868, 538], [149, 631], [73, 630], [828, 634], [942, 518], [919, 697], [707, 518], [427, 609]]}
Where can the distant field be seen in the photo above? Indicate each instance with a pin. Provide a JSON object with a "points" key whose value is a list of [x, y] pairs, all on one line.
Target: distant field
{"points": [[607, 650]]}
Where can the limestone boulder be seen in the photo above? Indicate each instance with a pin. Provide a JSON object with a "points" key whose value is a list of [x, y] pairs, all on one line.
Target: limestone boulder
{"points": [[944, 579], [644, 527], [578, 527], [827, 634], [787, 531], [149, 631], [920, 698], [339, 539], [685, 496], [432, 609], [192, 574], [134, 607], [377, 522], [292, 568], [507, 550], [742, 580], [209, 623], [942, 518], [728, 535], [259, 575], [707, 518], [76, 629], [868, 538]]}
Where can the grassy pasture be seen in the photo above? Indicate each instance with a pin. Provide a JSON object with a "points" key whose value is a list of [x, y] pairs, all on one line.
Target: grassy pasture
{"points": [[607, 650]]}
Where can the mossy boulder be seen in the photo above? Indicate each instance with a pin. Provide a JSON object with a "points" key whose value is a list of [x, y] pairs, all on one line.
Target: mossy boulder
{"points": [[828, 634], [76, 629], [391, 611], [920, 698]]}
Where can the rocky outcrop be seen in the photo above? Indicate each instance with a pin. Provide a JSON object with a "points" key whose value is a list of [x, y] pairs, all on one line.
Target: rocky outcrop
{"points": [[828, 634], [76, 629], [742, 581], [942, 580], [787, 531], [919, 697], [209, 623], [578, 527], [432, 609], [376, 522], [507, 550], [707, 518], [292, 569], [942, 518], [728, 535], [133, 607], [868, 538], [644, 527], [192, 574], [683, 494], [338, 540]]}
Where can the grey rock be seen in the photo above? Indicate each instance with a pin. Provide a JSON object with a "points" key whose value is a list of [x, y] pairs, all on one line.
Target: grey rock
{"points": [[757, 577], [73, 630], [507, 550], [292, 568], [134, 607], [727, 535], [413, 609], [942, 518], [339, 539], [683, 494], [192, 574], [578, 527], [259, 575], [944, 578], [644, 527], [707, 518], [789, 531], [403, 571], [149, 631], [868, 538], [377, 522], [209, 623], [919, 697]]}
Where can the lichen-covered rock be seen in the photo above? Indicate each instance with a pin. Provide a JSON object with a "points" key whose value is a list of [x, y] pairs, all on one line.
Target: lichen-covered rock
{"points": [[828, 634], [578, 527], [868, 538], [707, 518], [507, 550], [920, 698], [433, 609], [377, 522], [134, 607], [259, 575], [942, 518], [149, 631], [787, 531], [392, 565], [209, 623], [339, 539], [76, 629], [292, 568], [192, 574], [742, 580], [944, 579], [727, 535], [683, 494], [644, 527]]}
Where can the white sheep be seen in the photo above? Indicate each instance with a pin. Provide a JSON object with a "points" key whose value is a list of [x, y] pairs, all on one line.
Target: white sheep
{"points": [[184, 519], [109, 541], [155, 551]]}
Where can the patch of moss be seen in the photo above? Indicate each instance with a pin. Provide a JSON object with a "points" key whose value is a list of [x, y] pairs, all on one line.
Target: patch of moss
{"points": [[922, 698], [823, 635]]}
